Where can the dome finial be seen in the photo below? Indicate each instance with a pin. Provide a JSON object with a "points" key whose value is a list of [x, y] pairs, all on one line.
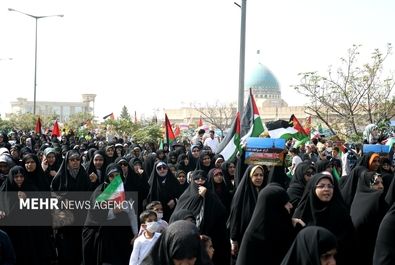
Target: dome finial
{"points": [[258, 56]]}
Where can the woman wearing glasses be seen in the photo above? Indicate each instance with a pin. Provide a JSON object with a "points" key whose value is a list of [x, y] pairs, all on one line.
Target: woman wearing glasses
{"points": [[164, 187], [322, 205]]}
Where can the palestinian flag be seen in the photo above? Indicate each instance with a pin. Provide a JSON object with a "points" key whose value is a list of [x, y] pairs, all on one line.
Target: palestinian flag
{"points": [[286, 129], [114, 191], [231, 143], [111, 116], [170, 137], [251, 123]]}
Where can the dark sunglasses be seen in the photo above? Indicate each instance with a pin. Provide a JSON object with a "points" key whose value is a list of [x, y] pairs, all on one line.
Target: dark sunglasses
{"points": [[123, 164]]}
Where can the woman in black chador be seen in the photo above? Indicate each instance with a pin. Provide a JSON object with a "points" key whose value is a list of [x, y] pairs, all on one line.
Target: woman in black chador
{"points": [[367, 210], [107, 233], [164, 187], [323, 205], [71, 177], [270, 232], [210, 214], [243, 204], [314, 245], [180, 242], [32, 244]]}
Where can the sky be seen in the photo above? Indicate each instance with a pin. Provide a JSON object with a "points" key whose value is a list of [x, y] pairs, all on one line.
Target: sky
{"points": [[155, 54]]}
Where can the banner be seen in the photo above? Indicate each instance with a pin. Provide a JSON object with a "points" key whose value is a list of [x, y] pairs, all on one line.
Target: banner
{"points": [[265, 151]]}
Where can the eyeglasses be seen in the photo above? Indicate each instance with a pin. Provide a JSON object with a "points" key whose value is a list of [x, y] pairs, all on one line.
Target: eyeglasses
{"points": [[161, 168], [123, 164], [323, 186]]}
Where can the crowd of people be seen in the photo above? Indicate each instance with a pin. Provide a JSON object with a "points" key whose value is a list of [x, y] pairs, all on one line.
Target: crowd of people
{"points": [[330, 205]]}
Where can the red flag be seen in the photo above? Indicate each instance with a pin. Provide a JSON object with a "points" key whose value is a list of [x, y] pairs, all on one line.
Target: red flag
{"points": [[55, 130], [170, 137], [307, 125], [37, 129], [200, 122], [177, 132], [297, 125]]}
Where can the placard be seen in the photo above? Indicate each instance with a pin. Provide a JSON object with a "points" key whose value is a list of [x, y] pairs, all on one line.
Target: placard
{"points": [[376, 148], [265, 151]]}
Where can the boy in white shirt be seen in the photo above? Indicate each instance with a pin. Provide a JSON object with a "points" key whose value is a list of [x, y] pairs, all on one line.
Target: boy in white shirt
{"points": [[157, 207], [147, 239]]}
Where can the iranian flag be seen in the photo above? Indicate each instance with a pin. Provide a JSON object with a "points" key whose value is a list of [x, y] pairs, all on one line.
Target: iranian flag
{"points": [[251, 123], [114, 191], [231, 143]]}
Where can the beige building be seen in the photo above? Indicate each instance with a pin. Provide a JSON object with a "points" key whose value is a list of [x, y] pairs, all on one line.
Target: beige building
{"points": [[267, 93], [63, 109]]}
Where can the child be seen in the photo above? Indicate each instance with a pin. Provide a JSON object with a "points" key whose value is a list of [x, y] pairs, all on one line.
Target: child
{"points": [[147, 239], [157, 207], [208, 244]]}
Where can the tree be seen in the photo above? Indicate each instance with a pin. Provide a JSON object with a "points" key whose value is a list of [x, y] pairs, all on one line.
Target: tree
{"points": [[80, 122], [125, 114], [219, 114], [352, 96]]}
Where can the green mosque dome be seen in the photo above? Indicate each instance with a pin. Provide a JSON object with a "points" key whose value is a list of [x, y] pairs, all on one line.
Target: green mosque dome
{"points": [[261, 78]]}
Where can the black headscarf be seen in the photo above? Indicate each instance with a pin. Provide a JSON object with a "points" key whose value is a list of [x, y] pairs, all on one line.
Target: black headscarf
{"points": [[182, 214], [348, 184], [367, 210], [221, 189], [298, 182], [136, 182], [181, 163], [37, 177], [277, 175], [63, 181], [390, 196], [242, 206], [90, 166], [384, 252], [227, 177], [309, 245], [149, 163], [210, 216], [332, 215], [106, 240], [9, 202], [270, 232], [199, 163], [184, 186], [181, 240], [163, 189]]}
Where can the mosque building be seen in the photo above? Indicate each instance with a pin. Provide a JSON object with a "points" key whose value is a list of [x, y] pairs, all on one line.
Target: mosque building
{"points": [[267, 94]]}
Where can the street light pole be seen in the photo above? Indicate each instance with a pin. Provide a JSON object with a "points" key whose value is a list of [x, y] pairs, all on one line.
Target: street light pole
{"points": [[35, 51], [240, 105]]}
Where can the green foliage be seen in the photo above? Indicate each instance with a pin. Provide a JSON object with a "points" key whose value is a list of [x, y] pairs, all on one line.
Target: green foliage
{"points": [[125, 114], [151, 133]]}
